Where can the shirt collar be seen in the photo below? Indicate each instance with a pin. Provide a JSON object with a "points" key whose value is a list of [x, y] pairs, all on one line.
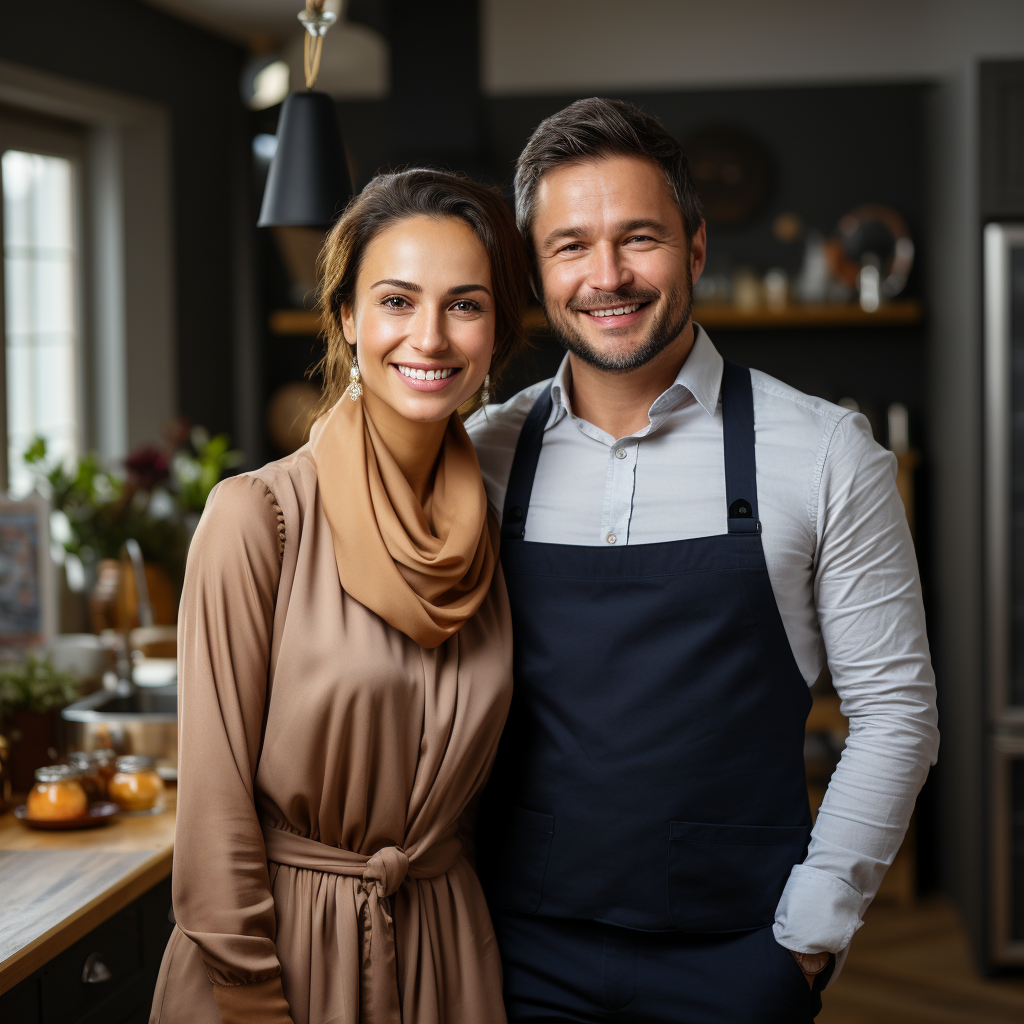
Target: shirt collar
{"points": [[700, 377]]}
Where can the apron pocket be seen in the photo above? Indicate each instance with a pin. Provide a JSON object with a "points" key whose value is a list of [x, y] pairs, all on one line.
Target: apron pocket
{"points": [[725, 878], [518, 858]]}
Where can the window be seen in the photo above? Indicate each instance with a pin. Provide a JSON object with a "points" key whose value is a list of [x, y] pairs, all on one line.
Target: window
{"points": [[40, 307], [87, 345]]}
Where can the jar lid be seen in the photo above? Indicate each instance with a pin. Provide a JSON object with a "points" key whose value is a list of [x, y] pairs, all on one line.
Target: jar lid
{"points": [[134, 763], [55, 773], [81, 759], [105, 756]]}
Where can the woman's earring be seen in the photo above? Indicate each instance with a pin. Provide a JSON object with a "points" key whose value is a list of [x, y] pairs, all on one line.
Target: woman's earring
{"points": [[485, 393], [355, 387]]}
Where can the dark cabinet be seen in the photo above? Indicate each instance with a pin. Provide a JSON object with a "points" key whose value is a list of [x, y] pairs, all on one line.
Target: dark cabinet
{"points": [[107, 977], [1002, 139]]}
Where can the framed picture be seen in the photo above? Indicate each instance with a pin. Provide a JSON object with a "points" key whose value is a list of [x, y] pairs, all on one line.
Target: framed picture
{"points": [[28, 593]]}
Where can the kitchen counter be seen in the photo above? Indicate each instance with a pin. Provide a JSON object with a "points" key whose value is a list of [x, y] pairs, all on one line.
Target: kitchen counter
{"points": [[55, 887]]}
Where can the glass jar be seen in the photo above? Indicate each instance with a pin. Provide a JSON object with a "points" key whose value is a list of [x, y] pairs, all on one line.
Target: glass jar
{"points": [[106, 765], [136, 787], [57, 795], [88, 772]]}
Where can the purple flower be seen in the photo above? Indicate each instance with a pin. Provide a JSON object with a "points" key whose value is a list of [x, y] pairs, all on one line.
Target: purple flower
{"points": [[147, 467]]}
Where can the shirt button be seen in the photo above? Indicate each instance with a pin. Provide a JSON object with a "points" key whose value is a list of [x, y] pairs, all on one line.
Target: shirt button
{"points": [[620, 453], [611, 538]]}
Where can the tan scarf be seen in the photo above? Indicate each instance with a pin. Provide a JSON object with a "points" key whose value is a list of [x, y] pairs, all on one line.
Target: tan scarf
{"points": [[423, 569]]}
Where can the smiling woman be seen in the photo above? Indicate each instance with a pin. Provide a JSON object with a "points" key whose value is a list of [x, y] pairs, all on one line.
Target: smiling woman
{"points": [[347, 762]]}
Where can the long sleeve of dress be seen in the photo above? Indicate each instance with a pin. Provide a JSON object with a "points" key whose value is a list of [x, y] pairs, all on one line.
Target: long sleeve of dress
{"points": [[222, 898]]}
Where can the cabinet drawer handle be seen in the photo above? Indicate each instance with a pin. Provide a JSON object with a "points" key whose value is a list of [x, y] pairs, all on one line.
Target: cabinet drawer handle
{"points": [[95, 970]]}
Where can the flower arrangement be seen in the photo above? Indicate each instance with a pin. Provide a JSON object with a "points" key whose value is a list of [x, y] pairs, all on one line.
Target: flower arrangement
{"points": [[156, 500]]}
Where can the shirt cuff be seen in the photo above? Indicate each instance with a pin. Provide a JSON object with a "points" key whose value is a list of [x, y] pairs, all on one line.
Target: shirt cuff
{"points": [[258, 1002], [818, 912]]}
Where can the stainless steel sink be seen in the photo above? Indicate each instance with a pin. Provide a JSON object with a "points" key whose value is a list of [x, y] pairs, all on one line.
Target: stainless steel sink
{"points": [[133, 721]]}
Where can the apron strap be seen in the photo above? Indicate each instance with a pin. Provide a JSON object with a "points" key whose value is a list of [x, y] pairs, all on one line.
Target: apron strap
{"points": [[524, 468], [738, 438], [738, 435]]}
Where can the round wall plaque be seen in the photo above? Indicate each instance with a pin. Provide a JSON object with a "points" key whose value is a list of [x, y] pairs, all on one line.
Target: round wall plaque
{"points": [[734, 173]]}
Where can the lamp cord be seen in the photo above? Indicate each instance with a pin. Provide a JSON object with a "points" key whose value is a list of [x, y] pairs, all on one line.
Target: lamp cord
{"points": [[313, 44]]}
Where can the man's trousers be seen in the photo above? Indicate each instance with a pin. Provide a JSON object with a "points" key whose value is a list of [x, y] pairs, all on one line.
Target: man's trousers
{"points": [[584, 971]]}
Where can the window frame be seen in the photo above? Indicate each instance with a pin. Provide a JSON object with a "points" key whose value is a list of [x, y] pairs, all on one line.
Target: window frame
{"points": [[130, 296], [37, 133]]}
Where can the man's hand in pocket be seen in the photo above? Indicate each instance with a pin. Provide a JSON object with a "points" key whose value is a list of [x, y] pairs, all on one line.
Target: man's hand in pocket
{"points": [[812, 964]]}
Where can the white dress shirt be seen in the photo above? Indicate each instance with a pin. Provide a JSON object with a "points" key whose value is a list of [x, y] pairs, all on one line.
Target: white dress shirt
{"points": [[841, 563]]}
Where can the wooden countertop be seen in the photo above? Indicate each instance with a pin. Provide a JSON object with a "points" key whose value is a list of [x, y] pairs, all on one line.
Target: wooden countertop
{"points": [[57, 886]]}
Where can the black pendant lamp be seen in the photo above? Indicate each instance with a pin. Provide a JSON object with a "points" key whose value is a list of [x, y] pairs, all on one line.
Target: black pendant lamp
{"points": [[308, 183]]}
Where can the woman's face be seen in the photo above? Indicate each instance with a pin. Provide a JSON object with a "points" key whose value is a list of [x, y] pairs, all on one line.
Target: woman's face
{"points": [[423, 317]]}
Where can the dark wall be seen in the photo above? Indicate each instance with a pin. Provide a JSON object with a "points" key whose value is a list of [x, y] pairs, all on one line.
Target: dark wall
{"points": [[136, 50], [833, 148]]}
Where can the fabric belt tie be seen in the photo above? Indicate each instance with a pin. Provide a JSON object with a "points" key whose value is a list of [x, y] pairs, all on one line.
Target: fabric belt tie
{"points": [[380, 876]]}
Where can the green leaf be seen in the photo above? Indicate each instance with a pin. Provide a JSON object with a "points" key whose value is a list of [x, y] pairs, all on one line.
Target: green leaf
{"points": [[36, 451]]}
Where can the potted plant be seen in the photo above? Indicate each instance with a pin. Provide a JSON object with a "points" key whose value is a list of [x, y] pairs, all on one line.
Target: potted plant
{"points": [[32, 693]]}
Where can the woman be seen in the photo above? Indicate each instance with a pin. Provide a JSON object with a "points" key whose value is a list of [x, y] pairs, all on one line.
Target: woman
{"points": [[333, 736]]}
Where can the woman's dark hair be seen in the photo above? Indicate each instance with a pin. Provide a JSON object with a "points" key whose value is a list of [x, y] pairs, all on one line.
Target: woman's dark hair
{"points": [[415, 193], [593, 128]]}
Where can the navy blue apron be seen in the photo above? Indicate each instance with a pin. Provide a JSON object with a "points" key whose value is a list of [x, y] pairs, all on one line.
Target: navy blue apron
{"points": [[651, 773]]}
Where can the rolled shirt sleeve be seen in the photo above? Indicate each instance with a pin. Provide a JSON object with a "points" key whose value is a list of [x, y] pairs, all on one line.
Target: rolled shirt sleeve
{"points": [[221, 887], [867, 594]]}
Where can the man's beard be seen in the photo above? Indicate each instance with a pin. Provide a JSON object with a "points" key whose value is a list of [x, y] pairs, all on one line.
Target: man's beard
{"points": [[666, 328]]}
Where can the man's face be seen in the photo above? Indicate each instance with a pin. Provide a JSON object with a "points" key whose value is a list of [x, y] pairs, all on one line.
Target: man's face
{"points": [[615, 267]]}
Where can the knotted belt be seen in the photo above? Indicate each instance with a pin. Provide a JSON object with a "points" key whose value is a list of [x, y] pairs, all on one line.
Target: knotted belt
{"points": [[380, 876]]}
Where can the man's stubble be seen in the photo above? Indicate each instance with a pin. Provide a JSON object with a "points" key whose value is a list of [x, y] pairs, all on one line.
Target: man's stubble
{"points": [[665, 329]]}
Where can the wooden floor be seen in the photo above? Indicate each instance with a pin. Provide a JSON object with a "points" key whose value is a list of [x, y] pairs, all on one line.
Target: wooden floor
{"points": [[912, 966]]}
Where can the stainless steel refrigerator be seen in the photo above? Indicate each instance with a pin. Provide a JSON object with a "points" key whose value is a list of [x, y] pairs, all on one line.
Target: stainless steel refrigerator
{"points": [[973, 253], [1003, 404]]}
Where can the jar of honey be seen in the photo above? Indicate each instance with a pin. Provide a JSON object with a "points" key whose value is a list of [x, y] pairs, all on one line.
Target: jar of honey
{"points": [[88, 772], [57, 795], [136, 787]]}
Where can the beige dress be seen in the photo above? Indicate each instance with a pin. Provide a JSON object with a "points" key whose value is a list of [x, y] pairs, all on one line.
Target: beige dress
{"points": [[326, 761]]}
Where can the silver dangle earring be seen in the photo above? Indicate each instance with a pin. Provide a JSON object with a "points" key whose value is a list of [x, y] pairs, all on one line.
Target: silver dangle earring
{"points": [[485, 392], [355, 387]]}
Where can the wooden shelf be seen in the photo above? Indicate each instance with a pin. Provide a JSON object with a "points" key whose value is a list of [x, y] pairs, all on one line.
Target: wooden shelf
{"points": [[303, 322], [905, 312], [892, 314]]}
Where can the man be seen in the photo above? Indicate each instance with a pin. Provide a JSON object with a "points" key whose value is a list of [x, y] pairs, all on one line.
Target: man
{"points": [[685, 543]]}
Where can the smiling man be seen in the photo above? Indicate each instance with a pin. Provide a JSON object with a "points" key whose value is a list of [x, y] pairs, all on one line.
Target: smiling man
{"points": [[686, 543]]}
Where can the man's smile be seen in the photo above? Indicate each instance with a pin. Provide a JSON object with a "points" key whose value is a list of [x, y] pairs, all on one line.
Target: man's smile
{"points": [[617, 311], [616, 316]]}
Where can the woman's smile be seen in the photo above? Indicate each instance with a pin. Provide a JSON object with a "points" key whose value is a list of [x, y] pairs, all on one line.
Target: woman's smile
{"points": [[422, 377]]}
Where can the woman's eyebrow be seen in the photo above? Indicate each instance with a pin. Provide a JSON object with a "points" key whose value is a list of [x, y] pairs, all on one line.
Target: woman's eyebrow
{"points": [[392, 282], [459, 289], [463, 288]]}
